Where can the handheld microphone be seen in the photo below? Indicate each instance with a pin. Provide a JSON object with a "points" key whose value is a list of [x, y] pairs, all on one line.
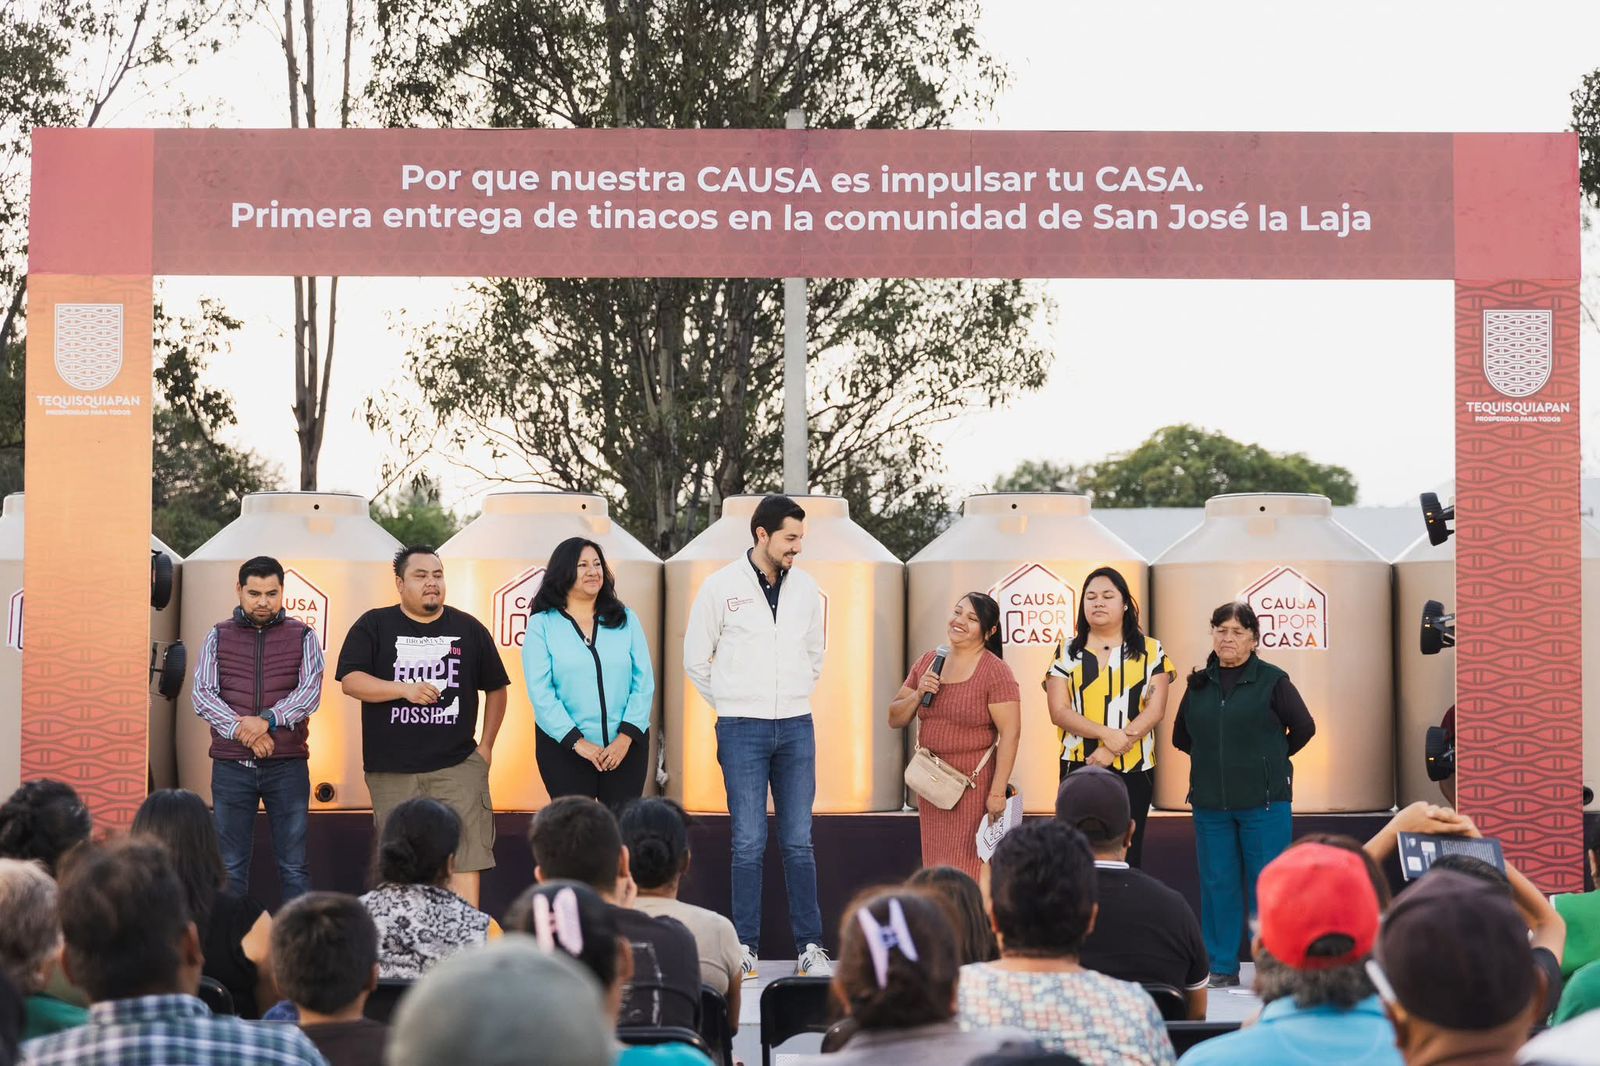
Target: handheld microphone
{"points": [[939, 654]]}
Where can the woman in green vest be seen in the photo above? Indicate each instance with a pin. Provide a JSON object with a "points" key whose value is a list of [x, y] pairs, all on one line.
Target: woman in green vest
{"points": [[1240, 720]]}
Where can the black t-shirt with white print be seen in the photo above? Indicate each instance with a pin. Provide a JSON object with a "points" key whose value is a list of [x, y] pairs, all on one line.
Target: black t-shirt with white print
{"points": [[454, 653]]}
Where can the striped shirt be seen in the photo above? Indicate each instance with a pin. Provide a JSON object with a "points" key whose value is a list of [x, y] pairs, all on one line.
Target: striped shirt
{"points": [[173, 1030], [297, 706], [1111, 696]]}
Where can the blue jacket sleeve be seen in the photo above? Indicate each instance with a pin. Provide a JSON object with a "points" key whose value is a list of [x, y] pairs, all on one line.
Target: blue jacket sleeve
{"points": [[538, 671], [642, 685]]}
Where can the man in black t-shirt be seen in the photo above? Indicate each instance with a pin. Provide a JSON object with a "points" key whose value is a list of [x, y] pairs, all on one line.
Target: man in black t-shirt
{"points": [[1144, 931], [417, 668], [576, 839]]}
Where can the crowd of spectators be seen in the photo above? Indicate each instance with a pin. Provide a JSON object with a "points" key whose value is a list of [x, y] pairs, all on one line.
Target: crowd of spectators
{"points": [[118, 952]]}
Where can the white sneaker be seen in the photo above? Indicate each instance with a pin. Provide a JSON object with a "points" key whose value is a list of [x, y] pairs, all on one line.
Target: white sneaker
{"points": [[747, 963], [814, 962]]}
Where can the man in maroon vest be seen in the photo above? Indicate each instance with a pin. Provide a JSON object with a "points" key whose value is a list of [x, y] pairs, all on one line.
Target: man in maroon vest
{"points": [[258, 681]]}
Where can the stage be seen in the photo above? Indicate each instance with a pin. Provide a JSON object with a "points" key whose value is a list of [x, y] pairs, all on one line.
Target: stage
{"points": [[854, 851]]}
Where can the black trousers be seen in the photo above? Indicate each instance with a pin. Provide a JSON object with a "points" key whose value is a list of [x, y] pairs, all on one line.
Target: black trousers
{"points": [[1141, 790], [566, 773]]}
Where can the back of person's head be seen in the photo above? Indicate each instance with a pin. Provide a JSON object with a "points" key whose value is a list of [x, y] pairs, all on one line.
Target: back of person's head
{"points": [[897, 962], [570, 917], [419, 837], [1094, 801], [1474, 867], [1042, 890], [30, 934], [656, 832], [963, 901], [42, 821], [576, 839], [1345, 842], [324, 950], [1453, 953], [125, 920], [503, 1004], [1318, 920], [180, 820]]}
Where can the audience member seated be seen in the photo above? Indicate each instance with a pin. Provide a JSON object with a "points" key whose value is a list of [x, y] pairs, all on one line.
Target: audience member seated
{"points": [[1317, 922], [1456, 973], [1143, 930], [419, 919], [1576, 1034], [1579, 996], [964, 902], [132, 946], [30, 946], [896, 979], [235, 930], [1042, 903], [1546, 929], [505, 1004], [42, 821], [325, 958], [1581, 912], [656, 832], [575, 838], [571, 918]]}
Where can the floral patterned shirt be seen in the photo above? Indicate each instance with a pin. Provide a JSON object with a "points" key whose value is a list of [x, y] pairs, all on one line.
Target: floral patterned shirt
{"points": [[1098, 1019], [420, 924]]}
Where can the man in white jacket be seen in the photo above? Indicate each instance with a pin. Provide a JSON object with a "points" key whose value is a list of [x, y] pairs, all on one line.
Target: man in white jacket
{"points": [[754, 650]]}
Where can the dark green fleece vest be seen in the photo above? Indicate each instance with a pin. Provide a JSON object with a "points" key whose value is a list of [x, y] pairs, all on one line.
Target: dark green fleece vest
{"points": [[1239, 758]]}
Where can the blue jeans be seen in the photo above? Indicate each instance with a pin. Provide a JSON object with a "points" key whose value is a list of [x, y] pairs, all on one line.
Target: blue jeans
{"points": [[1232, 847], [753, 753], [284, 785]]}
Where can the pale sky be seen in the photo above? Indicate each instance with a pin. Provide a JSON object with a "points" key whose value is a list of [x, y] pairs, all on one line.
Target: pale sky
{"points": [[1356, 373]]}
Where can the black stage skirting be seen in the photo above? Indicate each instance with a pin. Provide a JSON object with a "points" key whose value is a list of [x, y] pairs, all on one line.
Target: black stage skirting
{"points": [[854, 851]]}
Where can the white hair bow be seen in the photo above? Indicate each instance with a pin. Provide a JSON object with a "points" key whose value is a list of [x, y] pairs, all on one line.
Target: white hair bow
{"points": [[557, 921], [881, 938]]}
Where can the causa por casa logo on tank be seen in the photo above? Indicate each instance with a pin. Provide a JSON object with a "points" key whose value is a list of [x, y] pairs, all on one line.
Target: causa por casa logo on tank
{"points": [[1036, 606], [513, 606], [1293, 611], [305, 602]]}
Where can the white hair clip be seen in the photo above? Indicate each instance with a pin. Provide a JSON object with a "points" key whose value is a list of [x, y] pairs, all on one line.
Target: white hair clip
{"points": [[882, 938], [558, 922]]}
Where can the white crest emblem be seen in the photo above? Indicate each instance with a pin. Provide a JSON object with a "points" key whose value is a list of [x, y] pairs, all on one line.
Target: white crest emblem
{"points": [[1518, 350], [88, 344]]}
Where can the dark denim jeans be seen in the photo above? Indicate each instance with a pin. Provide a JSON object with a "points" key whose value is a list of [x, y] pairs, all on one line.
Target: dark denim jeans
{"points": [[284, 785], [755, 753]]}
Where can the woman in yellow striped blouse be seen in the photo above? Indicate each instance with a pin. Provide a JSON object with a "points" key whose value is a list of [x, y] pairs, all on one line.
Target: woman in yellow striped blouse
{"points": [[1107, 691]]}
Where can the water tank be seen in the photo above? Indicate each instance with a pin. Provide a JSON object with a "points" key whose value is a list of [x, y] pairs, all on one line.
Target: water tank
{"points": [[860, 759], [1030, 551], [337, 564], [1426, 684], [494, 567], [1323, 598], [163, 628]]}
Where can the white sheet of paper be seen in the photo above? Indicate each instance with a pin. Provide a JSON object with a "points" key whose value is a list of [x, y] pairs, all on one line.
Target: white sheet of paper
{"points": [[991, 833]]}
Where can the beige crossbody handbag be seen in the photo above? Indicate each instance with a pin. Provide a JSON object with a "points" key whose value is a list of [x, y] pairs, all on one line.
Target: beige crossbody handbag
{"points": [[937, 781]]}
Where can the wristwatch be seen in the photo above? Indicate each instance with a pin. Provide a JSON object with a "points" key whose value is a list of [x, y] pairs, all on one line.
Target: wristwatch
{"points": [[272, 721]]}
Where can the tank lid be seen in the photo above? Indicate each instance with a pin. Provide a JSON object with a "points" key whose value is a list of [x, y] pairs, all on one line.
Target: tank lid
{"points": [[744, 505], [304, 503], [1071, 504], [12, 506], [545, 502], [1271, 504]]}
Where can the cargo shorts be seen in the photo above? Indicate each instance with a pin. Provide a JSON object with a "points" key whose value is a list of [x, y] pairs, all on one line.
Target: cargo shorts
{"points": [[464, 788]]}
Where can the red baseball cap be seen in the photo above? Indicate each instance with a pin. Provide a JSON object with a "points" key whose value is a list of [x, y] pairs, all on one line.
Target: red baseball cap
{"points": [[1312, 891]]}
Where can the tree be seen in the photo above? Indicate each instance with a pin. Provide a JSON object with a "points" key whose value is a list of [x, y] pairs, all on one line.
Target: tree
{"points": [[664, 393], [1183, 466], [314, 332], [416, 516], [1040, 475], [1586, 124], [198, 480]]}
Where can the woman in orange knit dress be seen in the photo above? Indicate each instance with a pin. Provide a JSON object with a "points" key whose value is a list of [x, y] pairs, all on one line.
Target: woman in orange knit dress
{"points": [[976, 707]]}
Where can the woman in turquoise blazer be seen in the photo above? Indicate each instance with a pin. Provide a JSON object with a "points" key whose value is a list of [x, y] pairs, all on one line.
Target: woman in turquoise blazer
{"points": [[590, 680]]}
